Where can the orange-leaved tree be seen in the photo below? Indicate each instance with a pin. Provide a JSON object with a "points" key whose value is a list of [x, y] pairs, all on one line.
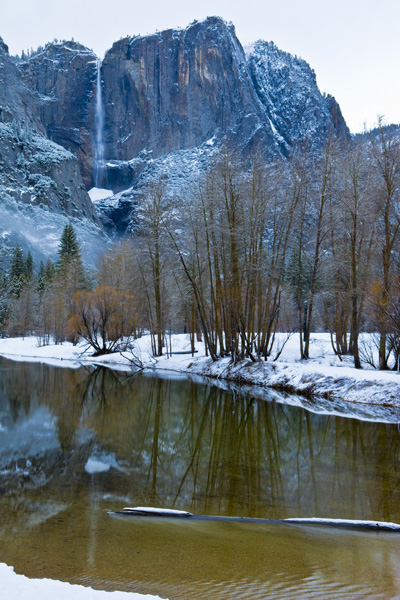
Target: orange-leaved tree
{"points": [[104, 318]]}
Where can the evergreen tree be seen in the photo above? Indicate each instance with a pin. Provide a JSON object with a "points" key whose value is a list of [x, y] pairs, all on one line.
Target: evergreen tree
{"points": [[69, 268], [18, 265], [4, 300], [17, 278], [45, 276], [49, 271], [69, 278], [40, 283], [29, 266], [69, 248]]}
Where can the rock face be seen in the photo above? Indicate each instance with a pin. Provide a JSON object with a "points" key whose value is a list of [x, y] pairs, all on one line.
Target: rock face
{"points": [[177, 89], [174, 91], [40, 182], [16, 100], [63, 80], [167, 102], [287, 88]]}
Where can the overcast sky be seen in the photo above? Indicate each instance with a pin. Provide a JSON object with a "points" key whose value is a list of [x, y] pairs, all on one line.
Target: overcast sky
{"points": [[353, 45]]}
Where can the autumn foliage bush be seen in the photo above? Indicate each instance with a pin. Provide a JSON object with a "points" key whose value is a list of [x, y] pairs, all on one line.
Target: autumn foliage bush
{"points": [[104, 318]]}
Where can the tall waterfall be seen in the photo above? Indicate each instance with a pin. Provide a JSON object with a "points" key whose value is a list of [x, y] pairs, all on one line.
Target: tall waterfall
{"points": [[99, 132]]}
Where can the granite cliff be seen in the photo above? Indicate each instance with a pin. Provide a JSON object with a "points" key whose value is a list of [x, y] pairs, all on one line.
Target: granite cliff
{"points": [[62, 78], [40, 182], [174, 91], [287, 89], [156, 106]]}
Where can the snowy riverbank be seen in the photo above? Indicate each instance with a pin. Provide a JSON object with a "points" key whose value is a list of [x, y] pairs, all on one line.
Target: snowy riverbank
{"points": [[324, 376]]}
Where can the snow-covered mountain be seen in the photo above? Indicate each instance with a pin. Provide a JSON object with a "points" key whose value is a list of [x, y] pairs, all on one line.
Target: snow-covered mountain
{"points": [[167, 101], [62, 78], [41, 188], [287, 88], [174, 90]]}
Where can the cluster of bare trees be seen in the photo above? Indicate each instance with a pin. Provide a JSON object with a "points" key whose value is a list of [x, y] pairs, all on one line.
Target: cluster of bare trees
{"points": [[308, 244], [304, 245]]}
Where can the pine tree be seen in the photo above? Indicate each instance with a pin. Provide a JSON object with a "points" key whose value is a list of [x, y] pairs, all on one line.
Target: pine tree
{"points": [[69, 278], [49, 271], [69, 267], [17, 277], [45, 276], [29, 266], [18, 265], [69, 248], [4, 300], [40, 283]]}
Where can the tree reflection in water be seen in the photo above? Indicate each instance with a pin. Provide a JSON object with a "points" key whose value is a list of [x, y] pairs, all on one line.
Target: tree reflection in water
{"points": [[176, 443], [197, 447]]}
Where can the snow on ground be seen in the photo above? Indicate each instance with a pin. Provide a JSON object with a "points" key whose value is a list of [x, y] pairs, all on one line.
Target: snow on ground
{"points": [[97, 194], [324, 375], [19, 587]]}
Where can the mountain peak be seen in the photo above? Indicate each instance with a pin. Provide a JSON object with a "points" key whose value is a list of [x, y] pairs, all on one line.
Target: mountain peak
{"points": [[277, 59], [3, 46], [287, 87], [57, 48], [173, 90]]}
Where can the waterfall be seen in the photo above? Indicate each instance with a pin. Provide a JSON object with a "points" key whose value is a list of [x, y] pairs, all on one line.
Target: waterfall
{"points": [[99, 132]]}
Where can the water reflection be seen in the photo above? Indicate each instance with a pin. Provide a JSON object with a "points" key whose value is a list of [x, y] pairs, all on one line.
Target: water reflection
{"points": [[179, 444], [197, 447]]}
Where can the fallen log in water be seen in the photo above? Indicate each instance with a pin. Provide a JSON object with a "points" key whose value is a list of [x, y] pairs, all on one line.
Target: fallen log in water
{"points": [[147, 511]]}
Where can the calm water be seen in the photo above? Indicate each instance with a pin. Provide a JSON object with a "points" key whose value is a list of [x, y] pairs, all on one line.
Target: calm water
{"points": [[75, 444]]}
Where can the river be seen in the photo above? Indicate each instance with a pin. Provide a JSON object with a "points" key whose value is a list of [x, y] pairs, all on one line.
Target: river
{"points": [[77, 443]]}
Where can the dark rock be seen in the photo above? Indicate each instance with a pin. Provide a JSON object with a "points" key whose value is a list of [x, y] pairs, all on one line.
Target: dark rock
{"points": [[27, 156], [177, 89], [16, 99], [338, 121], [174, 92], [63, 78], [3, 46], [40, 183]]}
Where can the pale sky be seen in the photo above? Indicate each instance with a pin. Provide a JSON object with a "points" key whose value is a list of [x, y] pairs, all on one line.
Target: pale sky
{"points": [[353, 45]]}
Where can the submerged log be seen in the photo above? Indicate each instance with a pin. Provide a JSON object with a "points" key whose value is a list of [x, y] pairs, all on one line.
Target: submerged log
{"points": [[147, 511]]}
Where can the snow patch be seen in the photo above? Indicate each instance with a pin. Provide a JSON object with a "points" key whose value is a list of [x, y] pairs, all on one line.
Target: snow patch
{"points": [[350, 522], [151, 510], [97, 194]]}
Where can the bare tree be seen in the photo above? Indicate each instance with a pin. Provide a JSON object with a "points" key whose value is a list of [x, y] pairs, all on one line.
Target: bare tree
{"points": [[385, 155], [104, 318]]}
